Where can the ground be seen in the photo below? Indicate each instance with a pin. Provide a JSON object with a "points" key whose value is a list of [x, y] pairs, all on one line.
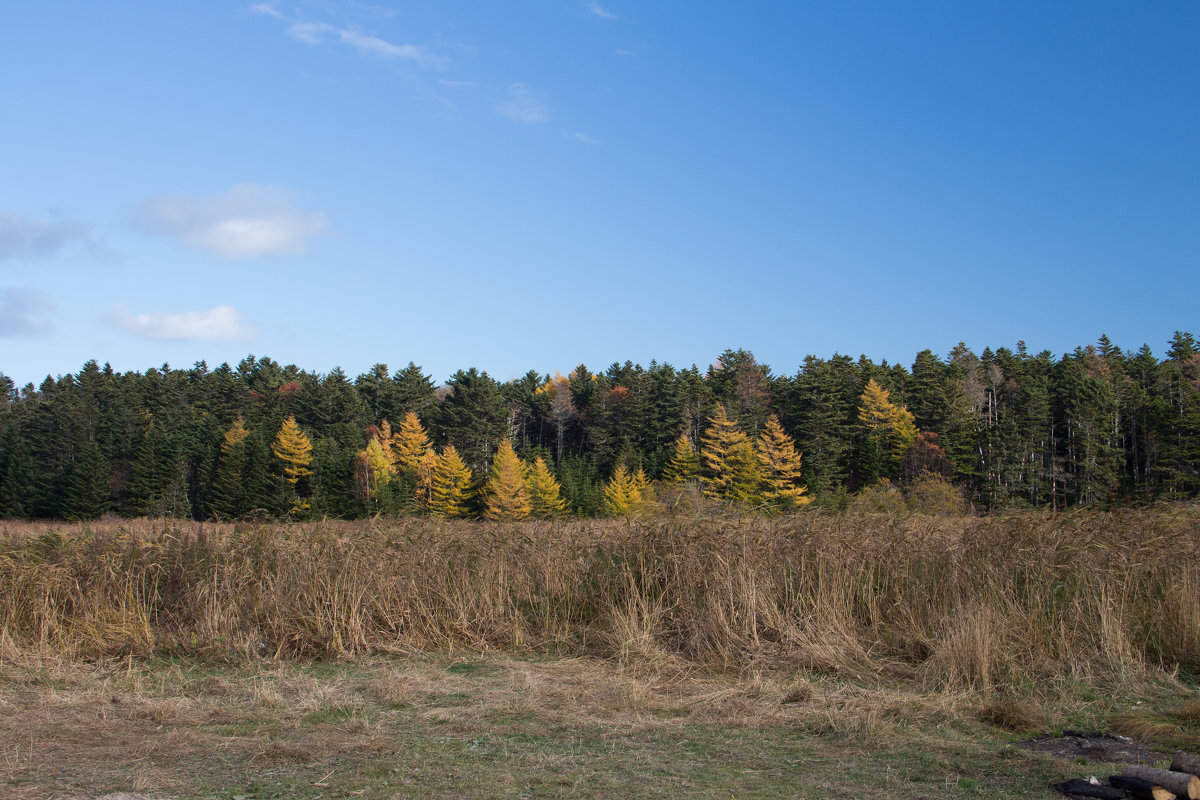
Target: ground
{"points": [[493, 726]]}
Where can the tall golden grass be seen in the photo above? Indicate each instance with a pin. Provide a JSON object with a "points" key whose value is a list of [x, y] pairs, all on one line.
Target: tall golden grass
{"points": [[947, 602]]}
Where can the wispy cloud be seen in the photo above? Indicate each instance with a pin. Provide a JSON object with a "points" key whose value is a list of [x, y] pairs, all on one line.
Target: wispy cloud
{"points": [[248, 221], [23, 314], [580, 136], [597, 10], [218, 324], [523, 105], [621, 52], [319, 33], [27, 237]]}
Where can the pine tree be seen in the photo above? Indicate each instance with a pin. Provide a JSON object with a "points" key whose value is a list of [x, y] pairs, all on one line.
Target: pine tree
{"points": [[545, 498], [506, 495], [292, 447], [781, 466], [451, 484], [685, 462]]}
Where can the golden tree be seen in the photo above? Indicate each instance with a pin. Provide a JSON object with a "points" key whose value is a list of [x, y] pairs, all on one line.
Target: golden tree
{"points": [[409, 444], [236, 434], [731, 467], [545, 498], [506, 495], [292, 447], [887, 429], [423, 488], [379, 466], [685, 462], [644, 489], [621, 496], [780, 466], [451, 484]]}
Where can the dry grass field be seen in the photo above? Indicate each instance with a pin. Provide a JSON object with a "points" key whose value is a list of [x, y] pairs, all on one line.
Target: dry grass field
{"points": [[814, 655]]}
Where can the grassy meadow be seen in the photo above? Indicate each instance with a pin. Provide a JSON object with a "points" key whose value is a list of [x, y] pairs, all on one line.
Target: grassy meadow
{"points": [[685, 654]]}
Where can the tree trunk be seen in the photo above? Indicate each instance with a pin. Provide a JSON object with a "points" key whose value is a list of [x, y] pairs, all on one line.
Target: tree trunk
{"points": [[1186, 762], [1079, 786], [1182, 784], [1141, 789]]}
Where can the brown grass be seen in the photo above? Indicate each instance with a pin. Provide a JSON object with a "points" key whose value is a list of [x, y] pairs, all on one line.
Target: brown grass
{"points": [[948, 603]]}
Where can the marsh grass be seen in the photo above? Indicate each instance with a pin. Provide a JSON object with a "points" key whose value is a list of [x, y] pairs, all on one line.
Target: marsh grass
{"points": [[941, 603]]}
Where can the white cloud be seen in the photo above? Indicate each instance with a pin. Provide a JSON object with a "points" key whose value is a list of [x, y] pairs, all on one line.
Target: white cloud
{"points": [[217, 324], [22, 314], [248, 221], [580, 136], [523, 105], [266, 10], [23, 237], [597, 10], [318, 33], [621, 52]]}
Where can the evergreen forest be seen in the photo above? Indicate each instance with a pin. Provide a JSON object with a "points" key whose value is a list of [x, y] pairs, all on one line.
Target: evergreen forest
{"points": [[1099, 426]]}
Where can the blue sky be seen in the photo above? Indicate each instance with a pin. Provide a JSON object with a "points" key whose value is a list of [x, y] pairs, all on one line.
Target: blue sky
{"points": [[535, 184]]}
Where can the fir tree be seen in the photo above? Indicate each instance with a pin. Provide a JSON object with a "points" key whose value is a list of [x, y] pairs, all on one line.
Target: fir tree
{"points": [[228, 491], [87, 495]]}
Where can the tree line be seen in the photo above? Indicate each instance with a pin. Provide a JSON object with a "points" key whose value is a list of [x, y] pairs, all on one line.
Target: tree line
{"points": [[1099, 426]]}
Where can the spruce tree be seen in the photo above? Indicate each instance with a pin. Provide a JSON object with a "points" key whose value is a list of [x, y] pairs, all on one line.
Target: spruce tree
{"points": [[229, 493], [87, 494]]}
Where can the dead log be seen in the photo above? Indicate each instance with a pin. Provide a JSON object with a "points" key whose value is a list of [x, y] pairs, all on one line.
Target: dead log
{"points": [[1141, 789], [1082, 788], [1186, 762], [1181, 784]]}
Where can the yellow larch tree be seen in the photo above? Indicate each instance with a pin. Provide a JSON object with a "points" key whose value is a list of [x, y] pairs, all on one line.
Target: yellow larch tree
{"points": [[293, 448], [236, 434], [506, 496], [628, 494], [685, 462], [780, 466], [426, 467], [888, 430], [451, 484], [545, 492], [731, 470], [644, 489], [409, 444], [620, 494]]}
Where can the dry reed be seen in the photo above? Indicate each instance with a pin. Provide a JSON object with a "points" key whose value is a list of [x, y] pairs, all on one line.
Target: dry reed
{"points": [[954, 603]]}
